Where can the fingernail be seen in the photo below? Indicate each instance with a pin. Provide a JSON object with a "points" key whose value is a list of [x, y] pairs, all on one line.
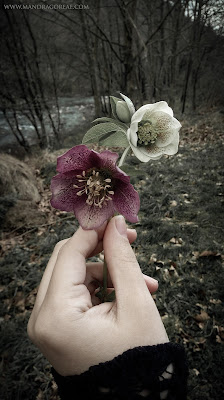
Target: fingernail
{"points": [[132, 230], [156, 282], [121, 225]]}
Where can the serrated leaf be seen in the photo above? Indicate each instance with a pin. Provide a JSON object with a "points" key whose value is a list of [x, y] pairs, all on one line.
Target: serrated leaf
{"points": [[131, 170], [115, 121], [94, 134], [113, 102], [129, 103], [114, 139]]}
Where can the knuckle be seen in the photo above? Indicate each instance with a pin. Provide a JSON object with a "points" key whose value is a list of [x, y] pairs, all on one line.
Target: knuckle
{"points": [[60, 244]]}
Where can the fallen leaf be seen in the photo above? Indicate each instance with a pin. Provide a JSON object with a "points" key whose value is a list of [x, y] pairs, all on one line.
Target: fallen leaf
{"points": [[19, 301], [196, 371], [30, 299], [153, 258], [173, 271], [221, 332], [218, 339], [215, 301], [208, 253], [201, 306], [203, 316], [176, 241]]}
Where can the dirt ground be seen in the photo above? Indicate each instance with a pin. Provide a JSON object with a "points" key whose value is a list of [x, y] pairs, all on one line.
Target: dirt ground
{"points": [[180, 243]]}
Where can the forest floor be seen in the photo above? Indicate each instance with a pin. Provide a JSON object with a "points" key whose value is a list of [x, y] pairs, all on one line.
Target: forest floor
{"points": [[180, 242]]}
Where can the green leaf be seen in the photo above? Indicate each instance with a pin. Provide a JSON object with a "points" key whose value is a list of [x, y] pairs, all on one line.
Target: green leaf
{"points": [[111, 297], [103, 296], [100, 294], [114, 139], [113, 102], [115, 121], [94, 134]]}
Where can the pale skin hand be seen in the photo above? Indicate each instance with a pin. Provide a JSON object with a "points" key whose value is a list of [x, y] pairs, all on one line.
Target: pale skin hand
{"points": [[67, 324]]}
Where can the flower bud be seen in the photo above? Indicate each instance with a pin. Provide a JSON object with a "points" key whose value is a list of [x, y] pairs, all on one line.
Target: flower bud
{"points": [[123, 112]]}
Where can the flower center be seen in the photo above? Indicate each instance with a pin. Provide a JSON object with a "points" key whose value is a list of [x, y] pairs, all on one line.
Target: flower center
{"points": [[95, 186], [146, 134]]}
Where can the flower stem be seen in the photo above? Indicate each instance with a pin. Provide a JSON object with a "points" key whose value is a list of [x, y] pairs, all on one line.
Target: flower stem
{"points": [[124, 155]]}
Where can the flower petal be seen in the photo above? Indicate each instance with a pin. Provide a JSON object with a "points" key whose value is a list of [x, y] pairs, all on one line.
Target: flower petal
{"points": [[129, 103], [165, 126], [126, 201], [107, 159], [137, 116], [159, 106], [141, 153], [78, 157], [91, 217], [172, 148], [132, 134], [121, 175], [162, 106], [153, 151], [64, 195]]}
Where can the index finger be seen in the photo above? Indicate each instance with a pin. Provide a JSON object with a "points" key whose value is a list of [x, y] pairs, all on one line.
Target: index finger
{"points": [[70, 268]]}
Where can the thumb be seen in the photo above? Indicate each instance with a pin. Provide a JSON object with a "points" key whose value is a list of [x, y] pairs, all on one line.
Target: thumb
{"points": [[123, 267]]}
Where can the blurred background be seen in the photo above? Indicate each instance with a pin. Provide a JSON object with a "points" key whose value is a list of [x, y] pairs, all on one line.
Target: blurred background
{"points": [[57, 59], [60, 62]]}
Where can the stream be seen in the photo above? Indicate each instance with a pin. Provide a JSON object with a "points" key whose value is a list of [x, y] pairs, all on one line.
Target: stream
{"points": [[76, 113]]}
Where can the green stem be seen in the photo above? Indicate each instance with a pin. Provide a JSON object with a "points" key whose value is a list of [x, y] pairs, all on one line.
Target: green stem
{"points": [[124, 155]]}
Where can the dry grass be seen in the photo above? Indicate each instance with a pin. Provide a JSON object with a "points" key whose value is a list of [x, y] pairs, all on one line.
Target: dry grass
{"points": [[17, 179]]}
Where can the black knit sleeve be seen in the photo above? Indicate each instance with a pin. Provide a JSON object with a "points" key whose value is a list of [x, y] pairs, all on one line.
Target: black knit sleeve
{"points": [[150, 372]]}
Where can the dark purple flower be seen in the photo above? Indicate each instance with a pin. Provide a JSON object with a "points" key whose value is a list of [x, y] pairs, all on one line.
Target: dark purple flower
{"points": [[93, 187]]}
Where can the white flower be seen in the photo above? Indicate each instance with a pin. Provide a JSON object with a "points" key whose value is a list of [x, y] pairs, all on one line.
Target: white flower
{"points": [[153, 132]]}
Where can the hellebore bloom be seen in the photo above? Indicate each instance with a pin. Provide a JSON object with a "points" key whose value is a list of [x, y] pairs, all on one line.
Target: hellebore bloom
{"points": [[93, 187], [153, 132]]}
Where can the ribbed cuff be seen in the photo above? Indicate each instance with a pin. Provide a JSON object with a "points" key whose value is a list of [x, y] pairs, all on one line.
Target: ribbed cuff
{"points": [[130, 375]]}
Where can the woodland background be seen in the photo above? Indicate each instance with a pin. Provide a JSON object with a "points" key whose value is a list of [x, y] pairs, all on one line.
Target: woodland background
{"points": [[58, 66], [150, 50]]}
